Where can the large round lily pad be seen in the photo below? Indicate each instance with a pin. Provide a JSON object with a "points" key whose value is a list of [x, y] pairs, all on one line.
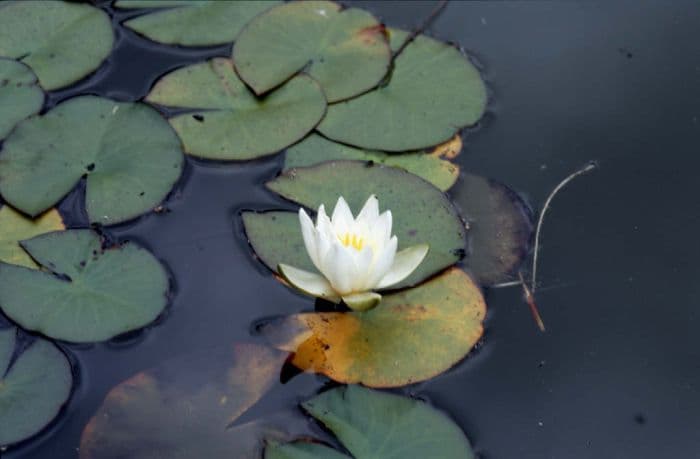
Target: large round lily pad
{"points": [[422, 214], [429, 165], [193, 23], [228, 122], [346, 51], [87, 293], [500, 228], [20, 94], [61, 41], [185, 408], [434, 91], [372, 424], [33, 388], [15, 227], [129, 153], [409, 337]]}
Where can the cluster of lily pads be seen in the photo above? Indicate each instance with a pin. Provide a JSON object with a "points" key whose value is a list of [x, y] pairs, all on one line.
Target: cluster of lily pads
{"points": [[359, 108]]}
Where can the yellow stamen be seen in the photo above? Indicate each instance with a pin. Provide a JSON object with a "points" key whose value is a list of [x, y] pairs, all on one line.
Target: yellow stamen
{"points": [[348, 240]]}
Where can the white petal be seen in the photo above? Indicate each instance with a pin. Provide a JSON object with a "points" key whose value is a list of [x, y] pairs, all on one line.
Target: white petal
{"points": [[369, 212], [310, 283], [323, 223], [363, 268], [362, 301], [404, 264], [384, 260], [381, 228], [308, 232], [338, 267], [342, 217]]}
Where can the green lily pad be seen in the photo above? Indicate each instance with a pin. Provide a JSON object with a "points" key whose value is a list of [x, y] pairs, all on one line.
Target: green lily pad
{"points": [[434, 91], [15, 227], [428, 165], [20, 94], [193, 23], [129, 153], [33, 388], [88, 293], [372, 424], [301, 450], [345, 50], [422, 214], [500, 228], [185, 408], [228, 121], [408, 337], [62, 42]]}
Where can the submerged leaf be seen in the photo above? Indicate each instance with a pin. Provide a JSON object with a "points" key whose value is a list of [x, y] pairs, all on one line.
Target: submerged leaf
{"points": [[194, 23], [129, 153], [433, 92], [345, 50], [428, 165], [61, 41], [500, 228], [88, 293], [372, 424], [20, 94], [409, 337], [229, 122], [184, 408], [422, 214], [32, 389], [15, 227]]}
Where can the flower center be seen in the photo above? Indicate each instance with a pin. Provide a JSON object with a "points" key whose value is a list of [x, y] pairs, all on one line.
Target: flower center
{"points": [[352, 240]]}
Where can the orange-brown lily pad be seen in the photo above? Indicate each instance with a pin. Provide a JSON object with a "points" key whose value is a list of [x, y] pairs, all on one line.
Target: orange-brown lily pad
{"points": [[410, 336]]}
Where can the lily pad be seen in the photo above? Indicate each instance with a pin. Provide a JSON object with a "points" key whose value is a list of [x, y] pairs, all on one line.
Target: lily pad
{"points": [[408, 337], [372, 424], [15, 227], [422, 214], [433, 92], [62, 42], [88, 293], [345, 50], [185, 408], [429, 165], [193, 23], [33, 388], [228, 122], [20, 94], [301, 450], [129, 153], [500, 228]]}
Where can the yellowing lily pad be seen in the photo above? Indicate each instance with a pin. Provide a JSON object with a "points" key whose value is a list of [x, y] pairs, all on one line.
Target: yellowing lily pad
{"points": [[433, 92], [61, 41], [500, 228], [345, 50], [228, 122], [129, 153], [422, 214], [185, 408], [193, 23], [86, 292], [430, 165], [20, 94], [33, 388], [15, 227], [409, 337], [372, 424]]}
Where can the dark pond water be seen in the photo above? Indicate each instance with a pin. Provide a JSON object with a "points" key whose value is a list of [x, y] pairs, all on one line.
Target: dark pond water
{"points": [[617, 374]]}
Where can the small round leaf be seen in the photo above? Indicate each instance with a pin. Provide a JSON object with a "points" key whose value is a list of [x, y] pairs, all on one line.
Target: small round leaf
{"points": [[129, 153], [228, 122], [433, 92], [87, 293], [20, 94], [33, 388], [62, 42], [193, 23], [346, 51], [15, 227]]}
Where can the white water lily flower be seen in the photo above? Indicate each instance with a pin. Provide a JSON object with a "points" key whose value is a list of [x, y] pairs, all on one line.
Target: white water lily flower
{"points": [[354, 255]]}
